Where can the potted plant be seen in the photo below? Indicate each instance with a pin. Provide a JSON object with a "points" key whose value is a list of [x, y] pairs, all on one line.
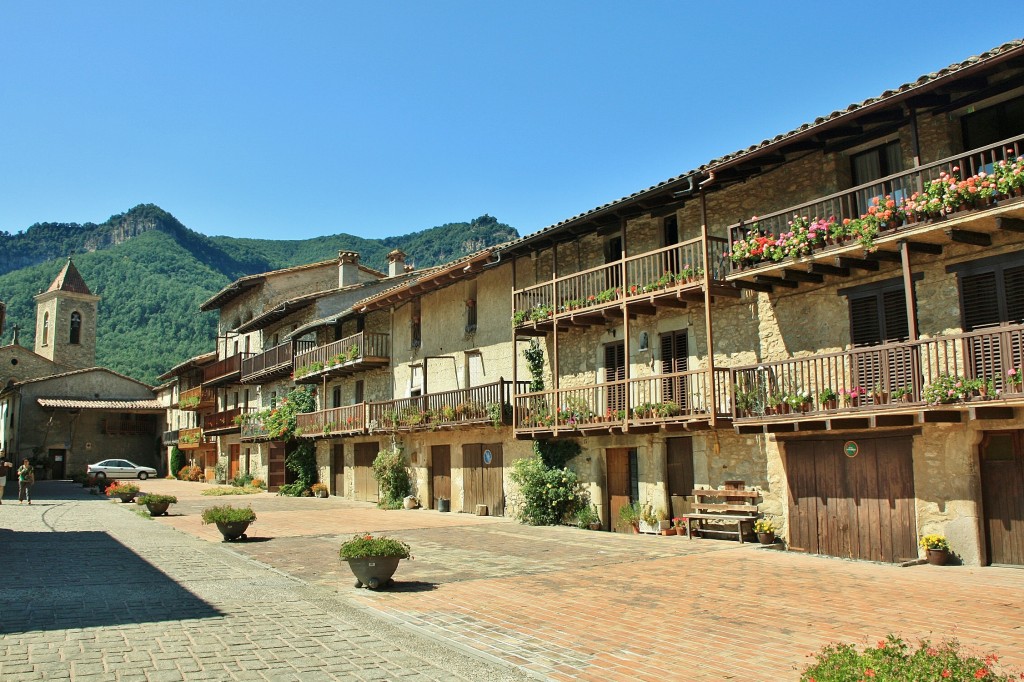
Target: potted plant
{"points": [[319, 490], [1014, 378], [157, 504], [879, 394], [936, 548], [986, 388], [232, 522], [373, 560], [765, 530], [679, 523], [587, 517], [828, 398], [629, 515], [903, 394], [126, 492]]}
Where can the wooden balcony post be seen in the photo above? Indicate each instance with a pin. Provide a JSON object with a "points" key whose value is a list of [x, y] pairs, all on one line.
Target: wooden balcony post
{"points": [[908, 290], [707, 311]]}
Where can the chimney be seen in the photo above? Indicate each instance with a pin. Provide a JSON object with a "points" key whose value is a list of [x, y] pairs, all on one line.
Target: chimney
{"points": [[396, 261], [348, 268]]}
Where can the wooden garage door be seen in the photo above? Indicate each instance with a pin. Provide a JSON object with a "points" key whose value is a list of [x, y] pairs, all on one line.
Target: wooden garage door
{"points": [[440, 473], [1002, 480], [338, 469], [275, 467], [366, 488], [858, 507], [483, 481]]}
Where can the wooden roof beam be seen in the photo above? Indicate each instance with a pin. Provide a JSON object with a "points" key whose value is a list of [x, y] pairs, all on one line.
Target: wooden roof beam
{"points": [[754, 286], [925, 247], [802, 276], [1010, 224], [775, 281], [859, 263], [970, 237], [826, 269], [889, 256]]}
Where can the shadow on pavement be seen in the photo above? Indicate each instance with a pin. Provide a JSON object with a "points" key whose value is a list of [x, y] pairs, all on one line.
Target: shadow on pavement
{"points": [[411, 586], [80, 579]]}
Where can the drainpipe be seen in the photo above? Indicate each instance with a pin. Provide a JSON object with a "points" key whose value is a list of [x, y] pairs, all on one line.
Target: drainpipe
{"points": [[710, 338]]}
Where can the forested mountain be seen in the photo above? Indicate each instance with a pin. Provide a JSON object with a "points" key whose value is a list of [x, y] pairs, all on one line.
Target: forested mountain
{"points": [[153, 272]]}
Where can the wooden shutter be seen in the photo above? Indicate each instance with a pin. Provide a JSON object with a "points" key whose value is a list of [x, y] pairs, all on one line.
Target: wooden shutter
{"points": [[615, 370], [980, 300], [674, 358], [1013, 294], [879, 318]]}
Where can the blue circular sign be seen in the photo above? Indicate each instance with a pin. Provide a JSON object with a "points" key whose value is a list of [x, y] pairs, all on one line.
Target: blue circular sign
{"points": [[488, 456]]}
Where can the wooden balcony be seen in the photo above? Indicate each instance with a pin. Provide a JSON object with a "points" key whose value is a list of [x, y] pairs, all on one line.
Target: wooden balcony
{"points": [[169, 437], [676, 401], [226, 371], [252, 429], [220, 423], [972, 223], [467, 407], [674, 276], [190, 439], [273, 363], [336, 421], [896, 384], [197, 398], [356, 353]]}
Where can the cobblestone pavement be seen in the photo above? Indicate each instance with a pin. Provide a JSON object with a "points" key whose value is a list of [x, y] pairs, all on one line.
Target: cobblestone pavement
{"points": [[567, 604], [92, 591]]}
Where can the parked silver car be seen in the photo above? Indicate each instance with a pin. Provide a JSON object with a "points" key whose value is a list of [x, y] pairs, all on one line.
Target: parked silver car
{"points": [[120, 468]]}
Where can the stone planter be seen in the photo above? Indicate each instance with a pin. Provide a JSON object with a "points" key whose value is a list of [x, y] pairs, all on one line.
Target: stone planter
{"points": [[374, 572], [937, 557], [233, 530], [158, 508], [125, 497], [322, 494]]}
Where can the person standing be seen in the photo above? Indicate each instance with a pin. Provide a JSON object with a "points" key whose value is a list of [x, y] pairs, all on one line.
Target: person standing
{"points": [[5, 467], [26, 477]]}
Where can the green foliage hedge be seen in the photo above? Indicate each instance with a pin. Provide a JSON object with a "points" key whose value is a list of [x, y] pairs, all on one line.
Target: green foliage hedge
{"points": [[392, 477], [549, 495]]}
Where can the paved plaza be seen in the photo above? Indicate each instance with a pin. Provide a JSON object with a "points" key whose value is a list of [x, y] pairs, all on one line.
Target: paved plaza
{"points": [[96, 591]]}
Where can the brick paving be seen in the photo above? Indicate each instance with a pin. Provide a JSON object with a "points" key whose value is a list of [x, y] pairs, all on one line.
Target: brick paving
{"points": [[561, 603], [94, 592]]}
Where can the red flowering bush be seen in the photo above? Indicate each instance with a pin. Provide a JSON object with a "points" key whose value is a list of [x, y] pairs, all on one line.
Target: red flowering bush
{"points": [[893, 660]]}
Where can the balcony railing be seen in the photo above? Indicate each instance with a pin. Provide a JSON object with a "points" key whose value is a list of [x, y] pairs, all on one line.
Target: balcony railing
{"points": [[650, 276], [355, 353], [678, 397], [223, 422], [190, 439], [251, 429], [945, 371], [490, 403], [272, 363], [170, 437], [346, 420], [224, 371], [197, 398], [856, 201]]}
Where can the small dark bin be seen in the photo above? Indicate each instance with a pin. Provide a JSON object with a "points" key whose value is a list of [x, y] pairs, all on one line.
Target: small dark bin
{"points": [[444, 504]]}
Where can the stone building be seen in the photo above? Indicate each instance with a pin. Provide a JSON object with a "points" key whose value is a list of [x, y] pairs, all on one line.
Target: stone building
{"points": [[56, 407]]}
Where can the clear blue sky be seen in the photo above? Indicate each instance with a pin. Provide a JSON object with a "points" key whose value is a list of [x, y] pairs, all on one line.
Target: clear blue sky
{"points": [[295, 119]]}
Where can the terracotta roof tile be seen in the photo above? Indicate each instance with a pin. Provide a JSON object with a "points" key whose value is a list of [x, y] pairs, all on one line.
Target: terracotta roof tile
{"points": [[70, 280]]}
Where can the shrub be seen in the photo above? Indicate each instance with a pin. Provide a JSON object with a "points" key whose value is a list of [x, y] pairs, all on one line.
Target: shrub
{"points": [[156, 499], [177, 461], [220, 491], [392, 477], [190, 473], [241, 480], [258, 483], [587, 515], [118, 488], [228, 514], [302, 462], [365, 545], [550, 496], [893, 660], [318, 488]]}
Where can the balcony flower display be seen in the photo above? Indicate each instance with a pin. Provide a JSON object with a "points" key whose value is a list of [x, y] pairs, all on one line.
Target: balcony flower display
{"points": [[851, 396]]}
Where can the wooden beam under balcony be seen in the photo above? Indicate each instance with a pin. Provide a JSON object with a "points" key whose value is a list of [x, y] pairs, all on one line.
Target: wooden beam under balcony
{"points": [[826, 269], [775, 281], [1010, 224], [754, 286], [969, 237], [993, 412], [925, 247], [801, 276], [887, 256], [849, 262], [728, 290], [642, 309]]}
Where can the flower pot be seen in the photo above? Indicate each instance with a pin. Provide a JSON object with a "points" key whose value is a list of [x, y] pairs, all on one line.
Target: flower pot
{"points": [[321, 494], [766, 538], [830, 404], [906, 398], [669, 531], [444, 504], [595, 525], [937, 557], [158, 508], [233, 530], [125, 497], [374, 572]]}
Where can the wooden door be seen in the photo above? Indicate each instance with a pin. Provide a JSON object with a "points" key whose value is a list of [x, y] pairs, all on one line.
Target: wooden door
{"points": [[57, 463], [366, 488], [234, 458], [615, 370], [338, 469], [675, 357], [859, 507], [619, 489], [275, 466], [440, 473], [483, 477], [679, 460], [1002, 480]]}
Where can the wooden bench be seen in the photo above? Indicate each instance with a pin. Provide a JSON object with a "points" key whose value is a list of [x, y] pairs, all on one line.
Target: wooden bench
{"points": [[736, 509]]}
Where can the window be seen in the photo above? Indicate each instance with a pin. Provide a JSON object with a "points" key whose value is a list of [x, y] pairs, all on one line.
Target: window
{"points": [[415, 326], [613, 253], [993, 124], [878, 315], [470, 307], [273, 399], [675, 358], [873, 164], [615, 370], [670, 231], [46, 328], [336, 397], [359, 392], [76, 328], [416, 381], [474, 369]]}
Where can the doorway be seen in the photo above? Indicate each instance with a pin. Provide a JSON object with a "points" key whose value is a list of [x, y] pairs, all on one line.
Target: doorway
{"points": [[1002, 479], [58, 463], [623, 484], [366, 488], [440, 473], [338, 469]]}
